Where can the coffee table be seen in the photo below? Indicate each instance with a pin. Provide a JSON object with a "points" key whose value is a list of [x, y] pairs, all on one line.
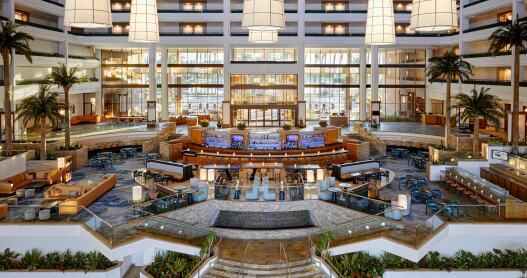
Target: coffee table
{"points": [[189, 192], [334, 190]]}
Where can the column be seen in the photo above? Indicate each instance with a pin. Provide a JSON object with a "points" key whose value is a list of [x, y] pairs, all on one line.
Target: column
{"points": [[428, 101], [374, 72], [152, 86], [362, 84], [164, 84], [8, 9], [98, 94], [301, 117], [226, 105]]}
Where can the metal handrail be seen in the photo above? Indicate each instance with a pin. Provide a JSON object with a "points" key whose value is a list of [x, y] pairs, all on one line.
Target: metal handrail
{"points": [[242, 267], [325, 260], [205, 258], [282, 248]]}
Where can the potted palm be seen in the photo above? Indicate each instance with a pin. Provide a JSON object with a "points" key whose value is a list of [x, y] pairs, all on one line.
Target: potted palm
{"points": [[449, 67], [40, 108], [480, 105], [65, 78], [11, 41], [512, 37]]}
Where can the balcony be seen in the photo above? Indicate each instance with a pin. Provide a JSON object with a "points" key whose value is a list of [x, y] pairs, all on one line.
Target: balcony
{"points": [[280, 34], [54, 2], [162, 34], [29, 23], [168, 11], [482, 82], [488, 26], [239, 11], [335, 35]]}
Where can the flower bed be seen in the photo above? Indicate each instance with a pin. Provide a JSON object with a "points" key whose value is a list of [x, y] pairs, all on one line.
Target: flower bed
{"points": [[170, 264], [388, 265], [34, 263]]}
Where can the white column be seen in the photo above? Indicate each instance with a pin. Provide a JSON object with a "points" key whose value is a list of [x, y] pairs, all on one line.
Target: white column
{"points": [[98, 93], [164, 84], [8, 9], [226, 105], [300, 73], [374, 72], [428, 101], [152, 67], [362, 84]]}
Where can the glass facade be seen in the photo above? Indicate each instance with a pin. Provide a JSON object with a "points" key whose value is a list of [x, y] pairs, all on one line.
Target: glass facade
{"points": [[125, 82], [331, 83], [264, 55], [402, 81], [195, 81]]}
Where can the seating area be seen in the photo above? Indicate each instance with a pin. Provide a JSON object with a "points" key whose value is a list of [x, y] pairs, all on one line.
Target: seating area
{"points": [[84, 119], [71, 197], [10, 185]]}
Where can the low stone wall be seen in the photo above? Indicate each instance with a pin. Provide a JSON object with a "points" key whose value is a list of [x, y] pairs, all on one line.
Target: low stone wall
{"points": [[79, 157], [152, 145], [465, 142], [117, 271]]}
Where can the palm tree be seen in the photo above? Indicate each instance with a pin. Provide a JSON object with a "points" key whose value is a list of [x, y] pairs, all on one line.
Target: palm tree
{"points": [[480, 105], [11, 41], [65, 78], [39, 108], [449, 67], [512, 37]]}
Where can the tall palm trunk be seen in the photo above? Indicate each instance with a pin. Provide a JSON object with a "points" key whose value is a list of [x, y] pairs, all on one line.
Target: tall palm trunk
{"points": [[67, 118], [7, 101], [475, 144], [515, 132], [447, 111], [43, 145]]}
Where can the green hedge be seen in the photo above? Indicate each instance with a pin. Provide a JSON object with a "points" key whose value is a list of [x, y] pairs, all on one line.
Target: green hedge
{"points": [[171, 264], [363, 265], [35, 259]]}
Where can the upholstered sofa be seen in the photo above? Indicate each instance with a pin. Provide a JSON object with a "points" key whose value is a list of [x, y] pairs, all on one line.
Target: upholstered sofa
{"points": [[200, 195], [10, 185], [269, 194], [323, 193], [84, 119], [254, 193], [78, 196]]}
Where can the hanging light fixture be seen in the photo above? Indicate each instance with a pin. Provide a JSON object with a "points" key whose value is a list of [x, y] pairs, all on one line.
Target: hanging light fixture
{"points": [[88, 13], [380, 25], [144, 26], [263, 15], [263, 36], [433, 15]]}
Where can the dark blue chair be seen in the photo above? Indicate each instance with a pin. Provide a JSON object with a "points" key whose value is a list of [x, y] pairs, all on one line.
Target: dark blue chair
{"points": [[422, 182], [431, 205], [403, 181], [436, 193]]}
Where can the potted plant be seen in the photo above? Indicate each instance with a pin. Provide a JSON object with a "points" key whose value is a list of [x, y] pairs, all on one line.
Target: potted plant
{"points": [[219, 123], [287, 126], [323, 123], [204, 123], [241, 126]]}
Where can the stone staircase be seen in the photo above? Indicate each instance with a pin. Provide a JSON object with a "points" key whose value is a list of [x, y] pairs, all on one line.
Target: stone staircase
{"points": [[297, 269], [377, 146]]}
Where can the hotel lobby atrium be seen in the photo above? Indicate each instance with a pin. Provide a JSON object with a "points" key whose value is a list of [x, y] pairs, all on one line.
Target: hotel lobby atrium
{"points": [[263, 138]]}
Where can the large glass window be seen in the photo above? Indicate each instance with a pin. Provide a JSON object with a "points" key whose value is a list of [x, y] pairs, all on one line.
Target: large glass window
{"points": [[195, 81], [264, 88], [331, 81], [264, 55]]}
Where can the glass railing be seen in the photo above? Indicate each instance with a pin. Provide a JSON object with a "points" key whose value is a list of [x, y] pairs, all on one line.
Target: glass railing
{"points": [[28, 23], [472, 3], [131, 228], [54, 2], [480, 187]]}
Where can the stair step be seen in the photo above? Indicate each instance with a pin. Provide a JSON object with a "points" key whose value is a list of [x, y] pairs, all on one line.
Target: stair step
{"points": [[264, 266], [259, 271], [217, 273]]}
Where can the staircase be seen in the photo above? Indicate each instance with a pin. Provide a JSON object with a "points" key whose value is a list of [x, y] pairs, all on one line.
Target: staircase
{"points": [[377, 146], [232, 269], [264, 258]]}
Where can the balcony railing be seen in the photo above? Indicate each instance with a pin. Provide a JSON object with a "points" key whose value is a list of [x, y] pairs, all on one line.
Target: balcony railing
{"points": [[322, 11], [335, 35], [239, 11], [32, 24], [488, 54], [54, 3], [280, 34], [488, 26], [263, 62], [167, 34], [168, 11], [474, 3], [482, 82]]}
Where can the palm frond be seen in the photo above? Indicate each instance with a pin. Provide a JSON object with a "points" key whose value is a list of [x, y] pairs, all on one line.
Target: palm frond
{"points": [[481, 104], [512, 34]]}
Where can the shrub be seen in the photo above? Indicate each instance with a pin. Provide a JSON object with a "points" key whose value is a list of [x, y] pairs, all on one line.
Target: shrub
{"points": [[242, 126], [363, 265], [287, 127], [34, 259], [71, 148], [204, 123], [171, 264], [323, 123]]}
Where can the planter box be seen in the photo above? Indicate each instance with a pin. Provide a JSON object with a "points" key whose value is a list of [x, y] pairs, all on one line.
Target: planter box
{"points": [[79, 157], [433, 171], [464, 142], [117, 271], [487, 149], [490, 273], [436, 154]]}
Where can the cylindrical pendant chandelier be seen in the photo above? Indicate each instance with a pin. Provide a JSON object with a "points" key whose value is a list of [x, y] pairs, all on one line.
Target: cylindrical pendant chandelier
{"points": [[263, 15], [88, 13], [380, 25], [263, 36], [433, 15], [144, 26]]}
